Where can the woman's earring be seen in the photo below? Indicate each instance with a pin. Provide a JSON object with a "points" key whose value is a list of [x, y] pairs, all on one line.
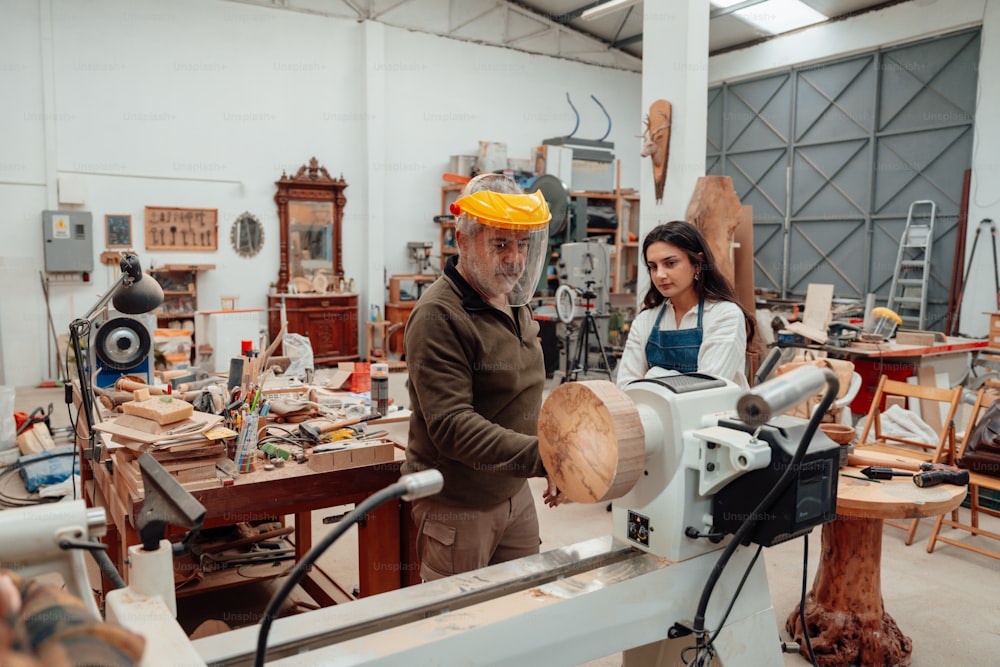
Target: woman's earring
{"points": [[696, 277]]}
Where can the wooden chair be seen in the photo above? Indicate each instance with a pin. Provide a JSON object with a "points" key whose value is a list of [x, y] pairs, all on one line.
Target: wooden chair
{"points": [[977, 481], [943, 450]]}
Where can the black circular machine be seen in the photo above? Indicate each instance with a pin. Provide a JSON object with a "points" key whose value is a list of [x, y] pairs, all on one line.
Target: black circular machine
{"points": [[122, 344]]}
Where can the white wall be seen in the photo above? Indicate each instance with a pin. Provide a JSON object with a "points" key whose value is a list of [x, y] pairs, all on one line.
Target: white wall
{"points": [[903, 23], [196, 104]]}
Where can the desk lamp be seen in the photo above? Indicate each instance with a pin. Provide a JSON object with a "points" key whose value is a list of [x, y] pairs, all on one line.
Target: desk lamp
{"points": [[132, 294]]}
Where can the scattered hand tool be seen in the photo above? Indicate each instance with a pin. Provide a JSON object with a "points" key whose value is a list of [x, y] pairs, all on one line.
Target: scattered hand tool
{"points": [[878, 472], [933, 474], [314, 430], [927, 474]]}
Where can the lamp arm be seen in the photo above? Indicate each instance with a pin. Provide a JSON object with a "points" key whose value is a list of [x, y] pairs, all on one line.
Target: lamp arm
{"points": [[103, 301], [77, 330]]}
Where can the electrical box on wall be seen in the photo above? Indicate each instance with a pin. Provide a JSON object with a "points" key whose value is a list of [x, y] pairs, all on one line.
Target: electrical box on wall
{"points": [[69, 240]]}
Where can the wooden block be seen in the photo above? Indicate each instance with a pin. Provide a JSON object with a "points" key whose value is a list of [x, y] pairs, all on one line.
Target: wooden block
{"points": [[141, 394], [352, 457], [36, 439], [921, 338], [161, 411]]}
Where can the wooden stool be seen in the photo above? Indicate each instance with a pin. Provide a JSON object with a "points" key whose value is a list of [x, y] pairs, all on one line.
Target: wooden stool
{"points": [[377, 338]]}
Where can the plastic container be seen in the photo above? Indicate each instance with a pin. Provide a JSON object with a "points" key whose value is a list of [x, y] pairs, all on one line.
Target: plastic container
{"points": [[380, 388]]}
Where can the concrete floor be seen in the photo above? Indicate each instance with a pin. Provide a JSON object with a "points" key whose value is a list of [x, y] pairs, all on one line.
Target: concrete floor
{"points": [[945, 601]]}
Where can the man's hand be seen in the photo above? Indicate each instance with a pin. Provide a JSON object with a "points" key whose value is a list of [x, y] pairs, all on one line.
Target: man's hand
{"points": [[552, 496]]}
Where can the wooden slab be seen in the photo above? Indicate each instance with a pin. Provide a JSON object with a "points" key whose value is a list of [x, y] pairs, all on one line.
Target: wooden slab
{"points": [[715, 211], [898, 498], [591, 441]]}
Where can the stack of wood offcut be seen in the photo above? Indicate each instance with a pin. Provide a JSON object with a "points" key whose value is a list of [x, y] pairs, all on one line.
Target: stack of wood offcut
{"points": [[187, 443]]}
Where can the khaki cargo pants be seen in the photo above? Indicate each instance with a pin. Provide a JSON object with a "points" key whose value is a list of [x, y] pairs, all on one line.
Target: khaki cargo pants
{"points": [[453, 539]]}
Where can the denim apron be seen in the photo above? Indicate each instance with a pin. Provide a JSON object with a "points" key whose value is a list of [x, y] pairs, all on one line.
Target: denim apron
{"points": [[675, 350]]}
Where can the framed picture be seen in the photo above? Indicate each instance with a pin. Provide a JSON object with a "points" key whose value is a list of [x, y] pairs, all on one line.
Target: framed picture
{"points": [[182, 228], [118, 231]]}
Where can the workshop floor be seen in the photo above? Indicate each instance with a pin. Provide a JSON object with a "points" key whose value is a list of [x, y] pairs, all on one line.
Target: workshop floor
{"points": [[945, 601]]}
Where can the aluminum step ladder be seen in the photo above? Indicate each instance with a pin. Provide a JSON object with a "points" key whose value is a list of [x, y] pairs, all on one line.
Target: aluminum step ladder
{"points": [[908, 293]]}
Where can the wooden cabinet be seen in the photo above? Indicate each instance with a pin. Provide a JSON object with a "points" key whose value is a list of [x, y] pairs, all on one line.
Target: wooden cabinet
{"points": [[329, 321], [180, 292], [310, 213]]}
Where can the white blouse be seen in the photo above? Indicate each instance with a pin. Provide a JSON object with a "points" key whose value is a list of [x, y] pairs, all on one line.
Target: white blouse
{"points": [[723, 345]]}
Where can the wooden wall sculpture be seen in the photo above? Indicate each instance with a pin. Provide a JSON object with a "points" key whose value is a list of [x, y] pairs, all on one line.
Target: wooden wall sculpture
{"points": [[656, 142]]}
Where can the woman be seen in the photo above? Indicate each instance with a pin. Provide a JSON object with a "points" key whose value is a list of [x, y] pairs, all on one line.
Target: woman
{"points": [[690, 320]]}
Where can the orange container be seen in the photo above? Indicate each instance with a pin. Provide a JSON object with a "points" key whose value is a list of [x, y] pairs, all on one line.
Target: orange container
{"points": [[361, 378]]}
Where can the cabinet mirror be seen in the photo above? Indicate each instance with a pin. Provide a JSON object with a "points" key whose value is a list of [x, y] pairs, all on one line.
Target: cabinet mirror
{"points": [[310, 211]]}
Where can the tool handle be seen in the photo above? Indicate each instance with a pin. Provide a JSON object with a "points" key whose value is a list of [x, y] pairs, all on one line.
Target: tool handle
{"points": [[330, 426], [860, 460]]}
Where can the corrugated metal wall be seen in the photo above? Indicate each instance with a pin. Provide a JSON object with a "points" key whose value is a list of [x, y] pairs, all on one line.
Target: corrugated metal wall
{"points": [[831, 156]]}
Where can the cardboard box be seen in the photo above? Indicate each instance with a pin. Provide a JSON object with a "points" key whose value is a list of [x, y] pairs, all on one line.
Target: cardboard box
{"points": [[354, 456]]}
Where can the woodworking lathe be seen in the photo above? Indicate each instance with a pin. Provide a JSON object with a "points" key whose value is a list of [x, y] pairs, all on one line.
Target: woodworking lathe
{"points": [[700, 475]]}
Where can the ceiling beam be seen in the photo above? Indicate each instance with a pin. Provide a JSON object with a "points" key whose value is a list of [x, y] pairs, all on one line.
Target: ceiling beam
{"points": [[723, 11]]}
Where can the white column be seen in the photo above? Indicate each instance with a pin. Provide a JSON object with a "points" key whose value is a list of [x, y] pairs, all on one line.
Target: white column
{"points": [[373, 286], [675, 68], [984, 193]]}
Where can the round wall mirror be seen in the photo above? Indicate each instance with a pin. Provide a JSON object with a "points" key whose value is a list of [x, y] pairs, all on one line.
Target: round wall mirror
{"points": [[247, 235]]}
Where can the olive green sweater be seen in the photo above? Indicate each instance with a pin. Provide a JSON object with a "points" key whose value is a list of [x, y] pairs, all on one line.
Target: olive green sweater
{"points": [[476, 379]]}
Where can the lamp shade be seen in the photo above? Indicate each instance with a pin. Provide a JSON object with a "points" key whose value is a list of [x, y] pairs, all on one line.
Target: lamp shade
{"points": [[139, 297]]}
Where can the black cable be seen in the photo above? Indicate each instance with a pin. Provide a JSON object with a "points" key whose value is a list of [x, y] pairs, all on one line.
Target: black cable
{"points": [[832, 386], [16, 467], [802, 603], [298, 571], [74, 423], [736, 595], [108, 568]]}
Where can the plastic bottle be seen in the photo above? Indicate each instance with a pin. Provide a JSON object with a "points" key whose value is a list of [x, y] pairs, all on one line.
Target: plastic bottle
{"points": [[380, 388]]}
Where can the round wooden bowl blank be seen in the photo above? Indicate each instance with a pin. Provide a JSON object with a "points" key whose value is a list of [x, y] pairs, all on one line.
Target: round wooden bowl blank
{"points": [[591, 441], [841, 434]]}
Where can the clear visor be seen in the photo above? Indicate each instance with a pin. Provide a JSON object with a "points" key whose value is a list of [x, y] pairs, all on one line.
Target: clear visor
{"points": [[507, 262]]}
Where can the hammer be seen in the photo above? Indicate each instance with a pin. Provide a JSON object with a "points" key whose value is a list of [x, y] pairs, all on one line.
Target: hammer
{"points": [[315, 430]]}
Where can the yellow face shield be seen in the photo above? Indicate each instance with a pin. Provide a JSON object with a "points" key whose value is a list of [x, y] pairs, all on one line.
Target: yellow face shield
{"points": [[523, 212]]}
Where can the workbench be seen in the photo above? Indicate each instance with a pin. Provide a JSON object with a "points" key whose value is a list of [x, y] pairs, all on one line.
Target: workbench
{"points": [[386, 549], [899, 362]]}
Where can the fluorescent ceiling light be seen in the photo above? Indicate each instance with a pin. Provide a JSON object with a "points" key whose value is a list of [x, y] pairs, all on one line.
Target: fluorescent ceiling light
{"points": [[778, 16], [607, 8]]}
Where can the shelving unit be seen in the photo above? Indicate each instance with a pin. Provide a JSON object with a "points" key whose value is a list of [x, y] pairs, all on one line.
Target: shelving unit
{"points": [[625, 236], [180, 291], [449, 193]]}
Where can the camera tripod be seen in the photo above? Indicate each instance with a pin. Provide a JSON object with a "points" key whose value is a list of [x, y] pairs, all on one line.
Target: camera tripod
{"points": [[581, 362]]}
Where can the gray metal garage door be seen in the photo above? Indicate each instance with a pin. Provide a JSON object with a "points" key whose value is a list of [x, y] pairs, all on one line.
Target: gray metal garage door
{"points": [[831, 156]]}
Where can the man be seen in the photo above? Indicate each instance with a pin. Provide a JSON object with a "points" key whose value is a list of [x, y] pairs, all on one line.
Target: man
{"points": [[476, 378]]}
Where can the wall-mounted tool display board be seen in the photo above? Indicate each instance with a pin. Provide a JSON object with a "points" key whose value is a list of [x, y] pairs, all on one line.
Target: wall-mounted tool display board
{"points": [[182, 228]]}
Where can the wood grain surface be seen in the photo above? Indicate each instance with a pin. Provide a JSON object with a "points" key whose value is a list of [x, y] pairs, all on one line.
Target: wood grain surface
{"points": [[591, 441]]}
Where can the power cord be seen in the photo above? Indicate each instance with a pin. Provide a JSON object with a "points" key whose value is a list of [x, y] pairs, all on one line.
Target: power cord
{"points": [[743, 532], [409, 487], [705, 653], [802, 602]]}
